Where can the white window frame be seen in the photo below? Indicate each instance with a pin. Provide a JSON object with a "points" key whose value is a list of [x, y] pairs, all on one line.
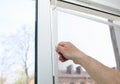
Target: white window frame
{"points": [[44, 52], [86, 9], [47, 37], [115, 36]]}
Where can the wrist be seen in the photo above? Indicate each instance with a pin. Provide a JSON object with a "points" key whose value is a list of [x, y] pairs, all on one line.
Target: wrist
{"points": [[79, 58]]}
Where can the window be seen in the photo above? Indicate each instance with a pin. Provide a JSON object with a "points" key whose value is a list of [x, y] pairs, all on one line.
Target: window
{"points": [[46, 47], [17, 41], [91, 37]]}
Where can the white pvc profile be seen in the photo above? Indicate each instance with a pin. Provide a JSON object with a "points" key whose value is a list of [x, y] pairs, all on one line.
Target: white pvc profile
{"points": [[85, 10], [44, 52], [115, 36], [87, 17], [105, 6], [54, 40]]}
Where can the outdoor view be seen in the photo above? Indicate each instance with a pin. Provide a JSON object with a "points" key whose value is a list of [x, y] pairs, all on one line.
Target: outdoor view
{"points": [[91, 37], [17, 41]]}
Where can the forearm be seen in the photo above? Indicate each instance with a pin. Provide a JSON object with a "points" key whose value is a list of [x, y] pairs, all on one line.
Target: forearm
{"points": [[99, 72]]}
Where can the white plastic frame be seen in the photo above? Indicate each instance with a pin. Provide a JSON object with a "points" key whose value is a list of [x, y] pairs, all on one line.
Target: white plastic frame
{"points": [[44, 48], [115, 36], [46, 40], [62, 4], [98, 5]]}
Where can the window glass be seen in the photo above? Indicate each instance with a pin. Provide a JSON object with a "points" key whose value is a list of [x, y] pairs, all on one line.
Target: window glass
{"points": [[91, 37], [17, 27]]}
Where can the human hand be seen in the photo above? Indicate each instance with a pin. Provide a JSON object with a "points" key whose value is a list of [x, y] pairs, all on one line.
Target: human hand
{"points": [[67, 51]]}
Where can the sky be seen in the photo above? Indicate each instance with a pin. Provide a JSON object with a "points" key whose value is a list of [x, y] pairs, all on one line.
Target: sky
{"points": [[16, 13], [93, 38]]}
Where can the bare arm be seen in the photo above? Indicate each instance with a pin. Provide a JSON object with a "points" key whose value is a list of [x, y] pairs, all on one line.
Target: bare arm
{"points": [[99, 72]]}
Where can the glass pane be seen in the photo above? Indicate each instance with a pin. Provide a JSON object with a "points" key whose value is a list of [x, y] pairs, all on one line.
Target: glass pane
{"points": [[91, 37], [17, 27]]}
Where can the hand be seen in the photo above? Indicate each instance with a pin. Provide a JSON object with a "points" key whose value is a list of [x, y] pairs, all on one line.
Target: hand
{"points": [[67, 51]]}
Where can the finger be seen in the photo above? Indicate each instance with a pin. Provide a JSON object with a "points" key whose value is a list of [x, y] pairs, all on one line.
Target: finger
{"points": [[59, 49], [62, 44], [61, 57]]}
